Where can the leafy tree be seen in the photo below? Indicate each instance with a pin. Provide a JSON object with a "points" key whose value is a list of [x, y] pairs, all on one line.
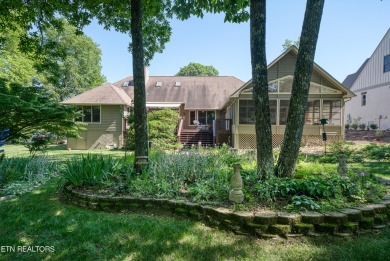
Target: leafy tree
{"points": [[146, 22], [140, 118], [15, 66], [237, 12], [265, 162], [300, 89], [197, 69], [28, 110], [288, 43], [73, 65]]}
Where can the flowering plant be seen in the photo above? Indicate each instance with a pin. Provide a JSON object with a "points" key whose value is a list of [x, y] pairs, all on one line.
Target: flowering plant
{"points": [[39, 143]]}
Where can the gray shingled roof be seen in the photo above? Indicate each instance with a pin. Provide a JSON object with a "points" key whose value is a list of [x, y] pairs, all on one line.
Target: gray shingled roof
{"points": [[104, 94], [350, 79], [196, 92]]}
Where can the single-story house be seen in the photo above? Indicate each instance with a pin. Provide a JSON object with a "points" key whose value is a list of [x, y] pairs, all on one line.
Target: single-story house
{"points": [[213, 110], [199, 102]]}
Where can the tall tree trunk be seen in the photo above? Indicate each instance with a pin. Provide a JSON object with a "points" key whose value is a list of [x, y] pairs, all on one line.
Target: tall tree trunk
{"points": [[300, 89], [140, 118], [260, 89]]}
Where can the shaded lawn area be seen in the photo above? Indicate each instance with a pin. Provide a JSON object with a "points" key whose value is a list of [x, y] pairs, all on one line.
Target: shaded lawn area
{"points": [[378, 168], [38, 218], [59, 152]]}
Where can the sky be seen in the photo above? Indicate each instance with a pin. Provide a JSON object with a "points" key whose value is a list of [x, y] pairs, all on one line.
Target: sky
{"points": [[350, 31]]}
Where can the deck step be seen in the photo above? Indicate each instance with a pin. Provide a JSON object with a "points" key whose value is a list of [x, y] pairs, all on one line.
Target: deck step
{"points": [[189, 138]]}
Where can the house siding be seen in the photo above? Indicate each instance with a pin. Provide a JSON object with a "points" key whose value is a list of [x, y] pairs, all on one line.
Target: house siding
{"points": [[376, 84], [373, 74], [286, 66], [371, 111], [98, 135]]}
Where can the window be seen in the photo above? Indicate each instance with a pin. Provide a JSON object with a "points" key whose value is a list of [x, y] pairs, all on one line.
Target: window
{"points": [[204, 117], [364, 98], [192, 117], [312, 114], [331, 110], [283, 111], [247, 112], [89, 114], [386, 63], [285, 84]]}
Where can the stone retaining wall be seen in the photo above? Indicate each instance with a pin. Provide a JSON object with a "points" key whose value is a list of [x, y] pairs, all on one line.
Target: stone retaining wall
{"points": [[263, 224]]}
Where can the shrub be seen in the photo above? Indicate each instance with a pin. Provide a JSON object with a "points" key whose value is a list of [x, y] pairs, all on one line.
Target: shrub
{"points": [[376, 152], [362, 126], [39, 144], [347, 126], [162, 125], [373, 126], [354, 126], [341, 148]]}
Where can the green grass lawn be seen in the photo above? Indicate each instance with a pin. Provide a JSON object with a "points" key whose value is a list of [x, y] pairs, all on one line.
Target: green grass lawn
{"points": [[59, 152], [381, 169], [38, 218]]}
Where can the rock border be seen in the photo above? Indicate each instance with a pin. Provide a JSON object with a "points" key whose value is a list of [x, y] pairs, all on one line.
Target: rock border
{"points": [[266, 224]]}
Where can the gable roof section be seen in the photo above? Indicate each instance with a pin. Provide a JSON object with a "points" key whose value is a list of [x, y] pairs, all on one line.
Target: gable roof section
{"points": [[372, 74], [196, 92], [106, 94], [350, 79], [316, 68]]}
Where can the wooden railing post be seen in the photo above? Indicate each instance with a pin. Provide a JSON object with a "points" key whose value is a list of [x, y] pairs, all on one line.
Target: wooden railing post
{"points": [[180, 128]]}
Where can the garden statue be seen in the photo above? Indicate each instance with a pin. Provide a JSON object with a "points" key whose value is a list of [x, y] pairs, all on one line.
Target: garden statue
{"points": [[236, 195]]}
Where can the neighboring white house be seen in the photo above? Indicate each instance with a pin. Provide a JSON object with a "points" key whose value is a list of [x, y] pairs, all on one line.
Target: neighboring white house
{"points": [[371, 84]]}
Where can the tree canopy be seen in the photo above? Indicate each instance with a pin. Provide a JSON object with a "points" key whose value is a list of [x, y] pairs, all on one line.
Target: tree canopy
{"points": [[73, 65], [197, 69], [288, 43], [69, 67], [27, 110]]}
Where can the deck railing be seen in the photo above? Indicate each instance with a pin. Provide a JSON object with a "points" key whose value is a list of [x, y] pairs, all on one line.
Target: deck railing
{"points": [[179, 129], [223, 131]]}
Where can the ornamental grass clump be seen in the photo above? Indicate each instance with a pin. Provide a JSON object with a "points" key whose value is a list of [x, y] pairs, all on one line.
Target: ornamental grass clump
{"points": [[89, 170]]}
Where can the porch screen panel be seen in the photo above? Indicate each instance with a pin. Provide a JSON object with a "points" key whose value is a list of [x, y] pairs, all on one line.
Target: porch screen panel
{"points": [[285, 85], [247, 112], [283, 111], [331, 110], [312, 114], [272, 108]]}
